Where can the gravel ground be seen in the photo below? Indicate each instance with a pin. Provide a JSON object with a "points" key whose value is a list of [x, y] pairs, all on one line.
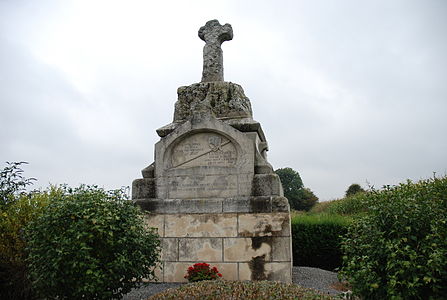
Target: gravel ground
{"points": [[314, 278]]}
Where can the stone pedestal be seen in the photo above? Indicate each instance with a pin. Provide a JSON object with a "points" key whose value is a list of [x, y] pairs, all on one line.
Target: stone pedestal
{"points": [[211, 193]]}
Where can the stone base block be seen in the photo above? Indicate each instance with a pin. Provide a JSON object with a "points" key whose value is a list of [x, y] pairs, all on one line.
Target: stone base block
{"points": [[243, 246]]}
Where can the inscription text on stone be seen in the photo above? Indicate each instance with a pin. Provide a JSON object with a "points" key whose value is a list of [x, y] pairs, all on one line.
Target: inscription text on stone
{"points": [[204, 149]]}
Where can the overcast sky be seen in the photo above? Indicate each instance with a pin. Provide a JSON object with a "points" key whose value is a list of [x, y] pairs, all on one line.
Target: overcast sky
{"points": [[346, 91]]}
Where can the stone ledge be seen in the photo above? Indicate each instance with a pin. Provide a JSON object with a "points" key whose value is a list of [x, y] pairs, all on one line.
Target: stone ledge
{"points": [[241, 124], [143, 188], [266, 184], [261, 204], [247, 125], [167, 129], [250, 205]]}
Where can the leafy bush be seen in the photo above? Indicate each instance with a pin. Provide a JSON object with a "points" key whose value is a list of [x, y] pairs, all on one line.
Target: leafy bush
{"points": [[90, 244], [399, 249], [12, 182], [14, 218], [202, 271], [316, 240], [220, 289], [17, 209]]}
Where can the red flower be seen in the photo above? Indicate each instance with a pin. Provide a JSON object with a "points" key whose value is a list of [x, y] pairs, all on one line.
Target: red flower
{"points": [[202, 271]]}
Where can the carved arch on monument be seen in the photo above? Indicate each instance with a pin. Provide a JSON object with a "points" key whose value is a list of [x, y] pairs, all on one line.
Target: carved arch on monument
{"points": [[204, 159], [203, 148]]}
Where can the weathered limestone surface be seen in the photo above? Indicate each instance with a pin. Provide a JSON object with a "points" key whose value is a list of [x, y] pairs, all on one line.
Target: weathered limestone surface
{"points": [[256, 225], [223, 99], [245, 249], [200, 249], [257, 246], [214, 35], [259, 240], [211, 193], [271, 271], [201, 225]]}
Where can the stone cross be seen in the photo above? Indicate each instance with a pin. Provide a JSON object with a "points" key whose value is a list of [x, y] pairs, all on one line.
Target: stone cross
{"points": [[214, 35]]}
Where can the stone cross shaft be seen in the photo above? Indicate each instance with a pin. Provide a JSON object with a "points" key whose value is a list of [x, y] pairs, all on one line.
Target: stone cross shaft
{"points": [[214, 35]]}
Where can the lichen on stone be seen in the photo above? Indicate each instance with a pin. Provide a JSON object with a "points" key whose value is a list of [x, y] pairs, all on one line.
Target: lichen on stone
{"points": [[225, 100]]}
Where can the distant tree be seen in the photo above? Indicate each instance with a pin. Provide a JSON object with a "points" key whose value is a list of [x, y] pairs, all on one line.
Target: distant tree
{"points": [[307, 200], [354, 189], [290, 179], [300, 198]]}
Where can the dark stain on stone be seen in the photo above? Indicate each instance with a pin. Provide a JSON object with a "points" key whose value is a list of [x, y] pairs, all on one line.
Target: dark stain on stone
{"points": [[257, 267], [285, 225], [147, 204], [260, 204], [268, 229], [266, 233], [257, 241], [245, 233]]}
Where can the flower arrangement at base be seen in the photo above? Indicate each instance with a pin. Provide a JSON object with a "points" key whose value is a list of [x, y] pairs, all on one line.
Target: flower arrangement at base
{"points": [[202, 271]]}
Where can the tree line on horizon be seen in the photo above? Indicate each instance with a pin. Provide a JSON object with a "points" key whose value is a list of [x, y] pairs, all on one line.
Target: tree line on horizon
{"points": [[301, 197]]}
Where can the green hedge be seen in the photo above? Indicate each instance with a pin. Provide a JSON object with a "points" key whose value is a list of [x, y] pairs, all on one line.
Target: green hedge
{"points": [[316, 240], [399, 249]]}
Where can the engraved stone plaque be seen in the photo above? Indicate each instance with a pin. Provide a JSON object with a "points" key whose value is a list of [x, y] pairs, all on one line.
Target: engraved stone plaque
{"points": [[204, 149], [209, 159], [196, 186]]}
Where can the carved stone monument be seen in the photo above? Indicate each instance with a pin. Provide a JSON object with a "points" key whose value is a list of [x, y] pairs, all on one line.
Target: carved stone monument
{"points": [[211, 193]]}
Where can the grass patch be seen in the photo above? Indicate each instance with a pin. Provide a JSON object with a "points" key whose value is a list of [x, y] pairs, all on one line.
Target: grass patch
{"points": [[221, 289], [349, 206], [323, 218]]}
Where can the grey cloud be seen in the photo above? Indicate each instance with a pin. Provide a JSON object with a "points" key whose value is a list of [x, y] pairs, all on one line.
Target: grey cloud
{"points": [[378, 113]]}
